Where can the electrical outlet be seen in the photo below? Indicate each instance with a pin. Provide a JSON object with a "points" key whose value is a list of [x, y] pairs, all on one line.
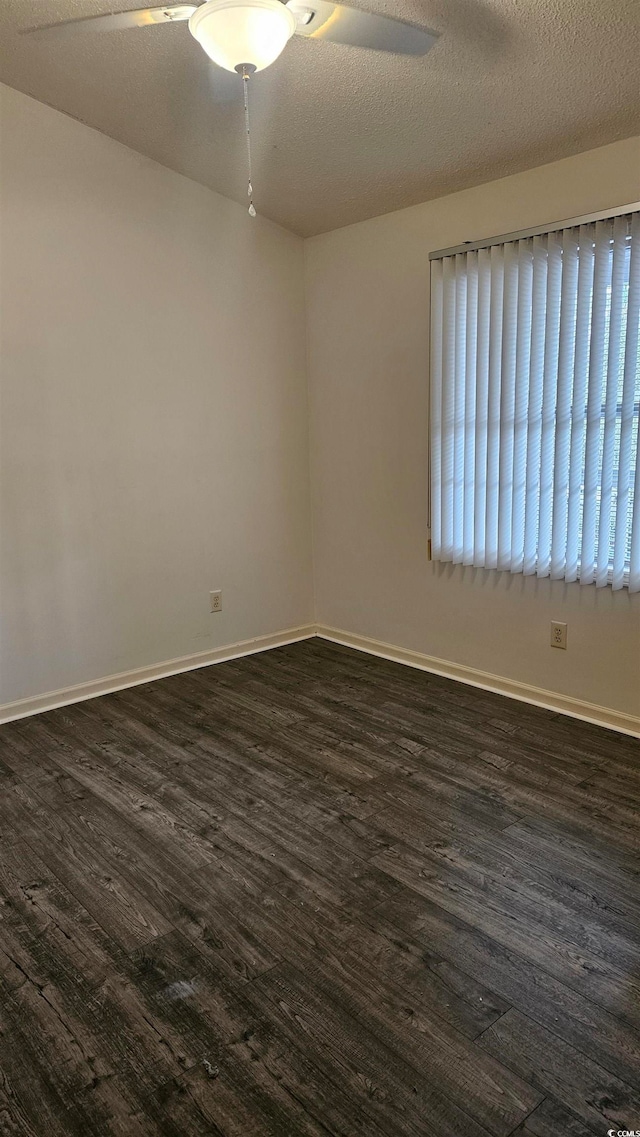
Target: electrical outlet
{"points": [[216, 600], [558, 634]]}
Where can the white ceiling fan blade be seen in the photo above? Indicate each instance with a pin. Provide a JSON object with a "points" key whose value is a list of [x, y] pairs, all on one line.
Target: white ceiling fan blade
{"points": [[341, 24], [116, 21]]}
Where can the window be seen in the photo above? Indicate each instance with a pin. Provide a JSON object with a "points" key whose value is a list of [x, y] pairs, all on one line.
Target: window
{"points": [[535, 404]]}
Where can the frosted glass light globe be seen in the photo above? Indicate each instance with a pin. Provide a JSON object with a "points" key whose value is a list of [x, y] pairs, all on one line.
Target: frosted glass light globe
{"points": [[237, 32]]}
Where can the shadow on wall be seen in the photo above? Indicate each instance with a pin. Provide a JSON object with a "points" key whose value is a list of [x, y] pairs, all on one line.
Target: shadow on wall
{"points": [[475, 27], [580, 595]]}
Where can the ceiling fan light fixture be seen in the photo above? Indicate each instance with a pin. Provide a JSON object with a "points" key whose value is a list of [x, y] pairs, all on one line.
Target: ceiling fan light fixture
{"points": [[243, 33]]}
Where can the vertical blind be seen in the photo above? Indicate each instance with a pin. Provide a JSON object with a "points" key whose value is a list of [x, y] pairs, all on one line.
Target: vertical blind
{"points": [[535, 403]]}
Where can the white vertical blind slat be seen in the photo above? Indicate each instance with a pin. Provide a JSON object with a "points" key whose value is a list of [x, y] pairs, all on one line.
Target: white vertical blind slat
{"points": [[535, 364], [634, 561], [601, 282], [549, 398], [566, 359], [523, 358], [579, 399], [493, 429], [629, 416], [470, 407], [436, 408], [507, 403], [448, 405], [459, 405], [482, 409], [616, 332], [534, 425]]}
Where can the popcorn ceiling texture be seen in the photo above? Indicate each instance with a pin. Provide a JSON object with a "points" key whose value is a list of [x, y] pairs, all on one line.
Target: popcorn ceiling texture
{"points": [[341, 134]]}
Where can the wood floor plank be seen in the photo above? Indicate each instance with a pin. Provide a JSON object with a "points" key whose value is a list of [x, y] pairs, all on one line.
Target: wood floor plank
{"points": [[498, 913], [283, 1054], [312, 892], [298, 930], [602, 1100], [568, 845], [575, 901], [44, 920], [410, 1088], [535, 793], [301, 852], [118, 907], [512, 976], [79, 1009], [193, 1003], [164, 830], [551, 1118], [408, 1009], [185, 902], [459, 798]]}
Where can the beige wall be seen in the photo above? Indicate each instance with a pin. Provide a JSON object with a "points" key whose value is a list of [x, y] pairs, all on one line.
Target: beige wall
{"points": [[368, 350], [153, 411], [154, 424]]}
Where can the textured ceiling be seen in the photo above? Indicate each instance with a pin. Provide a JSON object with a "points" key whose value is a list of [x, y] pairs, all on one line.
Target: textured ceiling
{"points": [[341, 134]]}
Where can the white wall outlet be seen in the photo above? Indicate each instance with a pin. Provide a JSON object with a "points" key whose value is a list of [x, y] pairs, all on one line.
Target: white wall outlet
{"points": [[216, 600], [558, 634]]}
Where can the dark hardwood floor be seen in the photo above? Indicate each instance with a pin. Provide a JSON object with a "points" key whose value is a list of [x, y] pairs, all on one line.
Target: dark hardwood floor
{"points": [[311, 892]]}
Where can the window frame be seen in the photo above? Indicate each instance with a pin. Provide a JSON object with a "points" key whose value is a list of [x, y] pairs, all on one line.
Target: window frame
{"points": [[486, 243]]}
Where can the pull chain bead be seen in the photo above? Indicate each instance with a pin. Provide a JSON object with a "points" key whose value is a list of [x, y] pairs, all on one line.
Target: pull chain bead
{"points": [[247, 123]]}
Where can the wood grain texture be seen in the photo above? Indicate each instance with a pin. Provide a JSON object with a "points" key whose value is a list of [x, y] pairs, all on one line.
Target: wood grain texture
{"points": [[314, 892]]}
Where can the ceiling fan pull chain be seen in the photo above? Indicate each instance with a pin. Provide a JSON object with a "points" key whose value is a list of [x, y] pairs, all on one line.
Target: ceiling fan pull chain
{"points": [[245, 81]]}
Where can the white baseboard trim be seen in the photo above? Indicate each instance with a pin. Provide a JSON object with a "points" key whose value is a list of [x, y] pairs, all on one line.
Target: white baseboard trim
{"points": [[551, 700], [35, 705]]}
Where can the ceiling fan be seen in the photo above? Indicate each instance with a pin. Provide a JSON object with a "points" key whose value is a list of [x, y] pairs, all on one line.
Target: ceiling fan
{"points": [[262, 26], [248, 35]]}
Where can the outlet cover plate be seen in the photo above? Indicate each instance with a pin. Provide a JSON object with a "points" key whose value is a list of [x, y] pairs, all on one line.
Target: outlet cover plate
{"points": [[216, 600], [558, 634]]}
